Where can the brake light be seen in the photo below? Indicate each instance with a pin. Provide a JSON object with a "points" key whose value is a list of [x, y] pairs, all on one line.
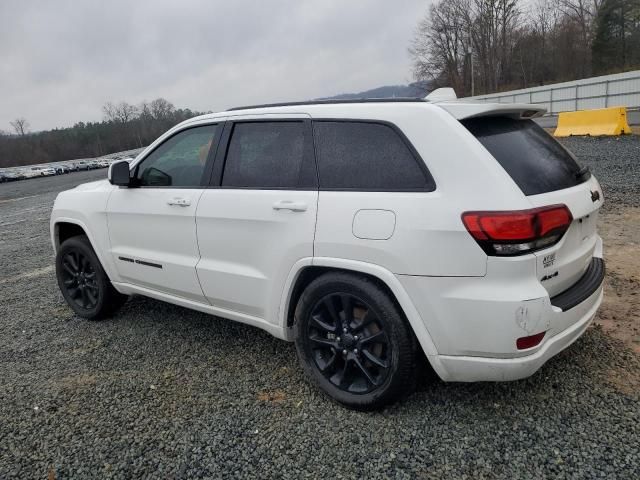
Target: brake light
{"points": [[518, 232]]}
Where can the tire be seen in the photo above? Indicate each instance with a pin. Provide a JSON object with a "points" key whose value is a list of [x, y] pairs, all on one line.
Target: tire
{"points": [[370, 364], [83, 282]]}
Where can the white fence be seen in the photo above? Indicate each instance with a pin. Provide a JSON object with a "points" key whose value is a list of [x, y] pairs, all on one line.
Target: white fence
{"points": [[618, 90]]}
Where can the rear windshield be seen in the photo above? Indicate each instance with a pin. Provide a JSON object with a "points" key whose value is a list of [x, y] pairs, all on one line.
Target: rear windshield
{"points": [[532, 157]]}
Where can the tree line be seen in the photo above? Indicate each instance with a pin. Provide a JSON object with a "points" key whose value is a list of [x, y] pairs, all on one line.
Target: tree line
{"points": [[487, 46], [123, 127], [474, 46]]}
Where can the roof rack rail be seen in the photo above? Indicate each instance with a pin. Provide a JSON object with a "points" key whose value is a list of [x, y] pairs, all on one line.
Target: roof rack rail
{"points": [[332, 102]]}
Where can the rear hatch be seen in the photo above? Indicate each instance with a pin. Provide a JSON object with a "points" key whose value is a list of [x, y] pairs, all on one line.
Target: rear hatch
{"points": [[548, 174]]}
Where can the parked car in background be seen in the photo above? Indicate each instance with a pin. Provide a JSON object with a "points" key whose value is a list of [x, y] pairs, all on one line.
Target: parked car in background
{"points": [[29, 173], [62, 168], [3, 178], [44, 171], [369, 233], [12, 176]]}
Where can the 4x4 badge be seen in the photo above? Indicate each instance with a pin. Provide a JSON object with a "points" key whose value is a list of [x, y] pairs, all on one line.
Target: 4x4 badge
{"points": [[595, 195]]}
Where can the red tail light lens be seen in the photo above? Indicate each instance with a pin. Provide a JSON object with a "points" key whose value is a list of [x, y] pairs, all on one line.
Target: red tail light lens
{"points": [[518, 232]]}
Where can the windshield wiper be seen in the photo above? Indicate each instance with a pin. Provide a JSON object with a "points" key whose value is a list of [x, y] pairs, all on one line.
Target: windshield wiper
{"points": [[583, 173]]}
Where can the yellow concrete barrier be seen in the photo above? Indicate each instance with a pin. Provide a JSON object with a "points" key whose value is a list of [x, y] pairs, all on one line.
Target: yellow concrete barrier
{"points": [[602, 121]]}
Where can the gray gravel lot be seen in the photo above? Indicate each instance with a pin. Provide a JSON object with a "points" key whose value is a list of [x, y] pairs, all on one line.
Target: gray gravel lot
{"points": [[164, 392], [615, 161]]}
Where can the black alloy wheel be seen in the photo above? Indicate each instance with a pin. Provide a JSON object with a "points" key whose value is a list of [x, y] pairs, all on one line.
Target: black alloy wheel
{"points": [[79, 279], [348, 343], [83, 282], [353, 341]]}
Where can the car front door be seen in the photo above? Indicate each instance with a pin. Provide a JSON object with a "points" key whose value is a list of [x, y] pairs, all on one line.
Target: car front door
{"points": [[152, 226], [258, 219]]}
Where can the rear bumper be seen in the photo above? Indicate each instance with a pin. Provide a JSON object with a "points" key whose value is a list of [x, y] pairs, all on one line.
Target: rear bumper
{"points": [[590, 281], [474, 369], [474, 322]]}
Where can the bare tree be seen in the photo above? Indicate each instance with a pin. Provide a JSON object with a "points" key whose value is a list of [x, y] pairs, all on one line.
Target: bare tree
{"points": [[517, 43], [441, 42], [543, 23], [110, 112], [494, 32], [457, 34], [161, 108], [123, 112], [21, 126], [144, 110], [582, 13]]}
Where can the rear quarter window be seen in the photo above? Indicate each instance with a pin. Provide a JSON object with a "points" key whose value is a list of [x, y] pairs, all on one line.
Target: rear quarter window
{"points": [[367, 156], [536, 161]]}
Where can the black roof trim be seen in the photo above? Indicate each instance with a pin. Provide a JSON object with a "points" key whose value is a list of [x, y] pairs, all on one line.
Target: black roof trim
{"points": [[333, 102]]}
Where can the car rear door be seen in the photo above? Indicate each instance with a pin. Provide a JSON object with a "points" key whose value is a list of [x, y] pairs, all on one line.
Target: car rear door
{"points": [[152, 226], [258, 218]]}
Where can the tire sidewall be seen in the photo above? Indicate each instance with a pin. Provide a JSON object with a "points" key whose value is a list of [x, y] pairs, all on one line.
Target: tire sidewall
{"points": [[81, 244], [395, 327]]}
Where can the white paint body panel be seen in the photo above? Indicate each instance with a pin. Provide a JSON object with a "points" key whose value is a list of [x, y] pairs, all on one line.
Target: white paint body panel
{"points": [[143, 226], [231, 254], [248, 248]]}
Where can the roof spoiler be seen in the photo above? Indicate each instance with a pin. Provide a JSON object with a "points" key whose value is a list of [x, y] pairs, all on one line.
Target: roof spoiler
{"points": [[467, 108], [462, 109]]}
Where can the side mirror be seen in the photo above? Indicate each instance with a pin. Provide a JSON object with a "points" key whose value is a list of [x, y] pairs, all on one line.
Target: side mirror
{"points": [[119, 173]]}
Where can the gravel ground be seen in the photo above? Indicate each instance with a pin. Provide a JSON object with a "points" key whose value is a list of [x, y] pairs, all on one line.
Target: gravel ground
{"points": [[615, 161], [164, 392]]}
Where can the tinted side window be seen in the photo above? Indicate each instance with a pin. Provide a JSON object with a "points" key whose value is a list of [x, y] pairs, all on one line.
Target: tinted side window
{"points": [[536, 162], [179, 161], [265, 155], [366, 156]]}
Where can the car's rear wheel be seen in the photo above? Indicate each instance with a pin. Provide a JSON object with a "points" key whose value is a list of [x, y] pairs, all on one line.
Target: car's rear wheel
{"points": [[353, 341], [83, 282]]}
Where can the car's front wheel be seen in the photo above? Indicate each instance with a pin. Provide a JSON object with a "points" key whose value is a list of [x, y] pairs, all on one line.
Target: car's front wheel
{"points": [[353, 341], [83, 282]]}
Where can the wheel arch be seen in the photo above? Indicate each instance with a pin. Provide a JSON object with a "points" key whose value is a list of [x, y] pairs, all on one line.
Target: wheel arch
{"points": [[64, 229], [67, 227], [302, 276]]}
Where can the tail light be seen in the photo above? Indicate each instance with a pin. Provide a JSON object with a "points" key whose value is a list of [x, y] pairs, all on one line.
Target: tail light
{"points": [[518, 232]]}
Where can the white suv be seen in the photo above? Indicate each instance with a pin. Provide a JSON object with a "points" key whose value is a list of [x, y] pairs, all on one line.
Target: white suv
{"points": [[368, 232]]}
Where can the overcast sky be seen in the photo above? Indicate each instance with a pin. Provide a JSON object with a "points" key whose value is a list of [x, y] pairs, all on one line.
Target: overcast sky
{"points": [[60, 61]]}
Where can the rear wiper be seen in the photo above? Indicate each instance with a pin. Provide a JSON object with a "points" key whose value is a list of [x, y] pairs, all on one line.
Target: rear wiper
{"points": [[583, 173]]}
